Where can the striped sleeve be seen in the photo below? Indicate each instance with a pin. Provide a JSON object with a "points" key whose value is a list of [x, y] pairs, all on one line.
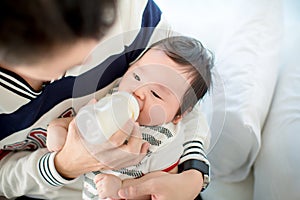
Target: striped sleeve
{"points": [[48, 172], [193, 150], [196, 139], [21, 174]]}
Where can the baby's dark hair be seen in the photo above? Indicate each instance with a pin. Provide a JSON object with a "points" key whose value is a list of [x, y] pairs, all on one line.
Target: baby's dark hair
{"points": [[31, 29], [196, 61]]}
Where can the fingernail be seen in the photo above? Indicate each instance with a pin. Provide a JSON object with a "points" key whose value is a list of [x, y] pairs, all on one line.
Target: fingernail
{"points": [[147, 145]]}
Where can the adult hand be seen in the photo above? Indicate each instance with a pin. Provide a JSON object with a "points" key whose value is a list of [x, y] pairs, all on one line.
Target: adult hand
{"points": [[74, 159], [165, 186], [124, 148]]}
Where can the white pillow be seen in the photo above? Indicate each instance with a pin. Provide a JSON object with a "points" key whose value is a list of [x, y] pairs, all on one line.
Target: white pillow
{"points": [[279, 161], [247, 63], [277, 166], [246, 53]]}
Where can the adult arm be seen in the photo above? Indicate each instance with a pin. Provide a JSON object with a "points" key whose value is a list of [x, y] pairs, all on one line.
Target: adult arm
{"points": [[30, 173], [42, 173], [197, 137], [193, 168], [108, 185], [162, 186], [112, 154], [38, 173]]}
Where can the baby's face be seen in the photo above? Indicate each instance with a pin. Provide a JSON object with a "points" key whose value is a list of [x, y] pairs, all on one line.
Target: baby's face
{"points": [[158, 84]]}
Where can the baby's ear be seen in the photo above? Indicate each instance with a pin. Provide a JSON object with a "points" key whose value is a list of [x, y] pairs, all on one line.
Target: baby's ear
{"points": [[177, 119]]}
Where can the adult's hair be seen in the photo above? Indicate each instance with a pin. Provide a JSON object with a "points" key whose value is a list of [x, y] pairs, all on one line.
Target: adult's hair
{"points": [[29, 30], [196, 62]]}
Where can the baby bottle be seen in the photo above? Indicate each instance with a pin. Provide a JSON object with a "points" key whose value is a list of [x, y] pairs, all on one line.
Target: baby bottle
{"points": [[97, 122]]}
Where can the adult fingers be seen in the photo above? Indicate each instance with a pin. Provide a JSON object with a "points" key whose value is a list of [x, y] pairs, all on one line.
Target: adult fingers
{"points": [[136, 191], [135, 146], [145, 147], [122, 135], [74, 159], [136, 138], [134, 142]]}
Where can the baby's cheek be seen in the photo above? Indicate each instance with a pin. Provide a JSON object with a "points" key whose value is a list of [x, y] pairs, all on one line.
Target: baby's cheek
{"points": [[157, 115]]}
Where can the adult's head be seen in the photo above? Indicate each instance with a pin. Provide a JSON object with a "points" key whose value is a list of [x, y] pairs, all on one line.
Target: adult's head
{"points": [[41, 39]]}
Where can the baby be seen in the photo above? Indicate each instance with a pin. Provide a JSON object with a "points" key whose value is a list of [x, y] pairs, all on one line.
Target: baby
{"points": [[167, 81]]}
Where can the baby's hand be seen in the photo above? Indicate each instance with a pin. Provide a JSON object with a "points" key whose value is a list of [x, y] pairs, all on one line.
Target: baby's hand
{"points": [[108, 186]]}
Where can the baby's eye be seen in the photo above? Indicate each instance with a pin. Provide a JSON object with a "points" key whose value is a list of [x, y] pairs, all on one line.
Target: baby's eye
{"points": [[155, 94], [136, 77]]}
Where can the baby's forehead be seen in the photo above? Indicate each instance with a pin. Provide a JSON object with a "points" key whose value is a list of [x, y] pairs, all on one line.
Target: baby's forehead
{"points": [[166, 77]]}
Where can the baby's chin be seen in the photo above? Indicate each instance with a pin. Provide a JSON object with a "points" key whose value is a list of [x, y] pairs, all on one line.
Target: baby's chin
{"points": [[148, 122]]}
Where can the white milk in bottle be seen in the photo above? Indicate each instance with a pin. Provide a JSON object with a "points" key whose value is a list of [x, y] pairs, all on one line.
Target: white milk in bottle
{"points": [[97, 122]]}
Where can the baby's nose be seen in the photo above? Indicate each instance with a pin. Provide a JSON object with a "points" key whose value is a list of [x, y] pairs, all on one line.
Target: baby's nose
{"points": [[140, 99]]}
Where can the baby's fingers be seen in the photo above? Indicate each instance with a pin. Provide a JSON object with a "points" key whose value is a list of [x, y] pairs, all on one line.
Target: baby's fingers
{"points": [[98, 178]]}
